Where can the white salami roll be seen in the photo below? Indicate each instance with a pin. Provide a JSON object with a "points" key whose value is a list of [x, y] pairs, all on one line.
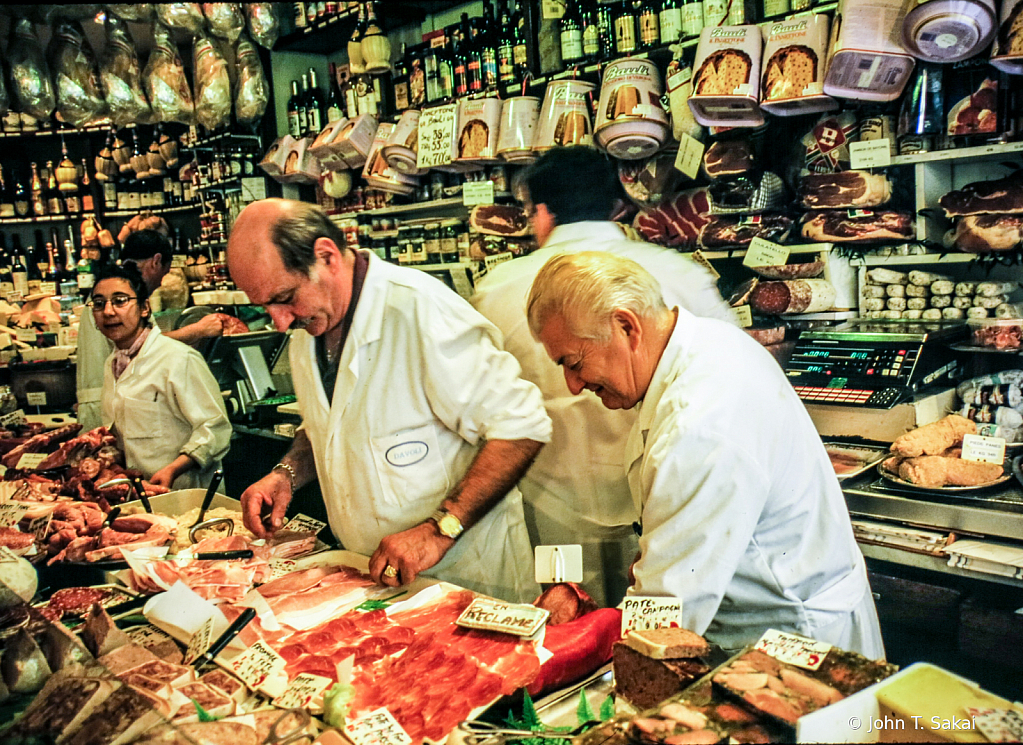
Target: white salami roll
{"points": [[874, 291], [942, 287], [962, 302], [988, 289], [941, 301], [887, 277], [793, 296], [873, 303], [925, 278], [891, 315], [953, 314], [895, 290], [912, 314], [977, 313], [989, 302], [918, 290], [966, 289], [875, 313], [1009, 310], [896, 303], [916, 303], [931, 314]]}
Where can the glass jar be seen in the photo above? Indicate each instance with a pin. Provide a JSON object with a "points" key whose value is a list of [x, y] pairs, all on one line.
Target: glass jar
{"points": [[404, 245], [499, 175], [431, 242], [462, 237], [436, 185], [449, 241], [8, 401], [418, 252]]}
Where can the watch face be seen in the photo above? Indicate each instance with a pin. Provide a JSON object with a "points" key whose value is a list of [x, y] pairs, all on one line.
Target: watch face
{"points": [[450, 526]]}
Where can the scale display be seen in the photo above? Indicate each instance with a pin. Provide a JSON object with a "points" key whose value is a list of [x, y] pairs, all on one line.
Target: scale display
{"points": [[873, 366]]}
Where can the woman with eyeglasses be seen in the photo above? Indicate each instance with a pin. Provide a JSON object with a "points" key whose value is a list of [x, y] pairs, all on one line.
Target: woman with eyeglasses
{"points": [[158, 394]]}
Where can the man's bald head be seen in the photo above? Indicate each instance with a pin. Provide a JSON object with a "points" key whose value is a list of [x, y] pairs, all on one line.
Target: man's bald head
{"points": [[292, 226]]}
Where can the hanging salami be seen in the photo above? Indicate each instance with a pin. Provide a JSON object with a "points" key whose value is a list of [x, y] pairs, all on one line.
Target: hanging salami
{"points": [[165, 81], [31, 87], [252, 90], [119, 73]]}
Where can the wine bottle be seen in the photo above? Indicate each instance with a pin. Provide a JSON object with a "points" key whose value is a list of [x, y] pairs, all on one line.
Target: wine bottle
{"points": [[6, 278], [19, 270], [303, 101], [416, 80], [506, 48], [335, 104], [571, 34], [294, 123], [83, 273], [22, 202], [591, 31], [625, 29], [6, 196], [520, 49], [87, 202], [460, 59], [445, 73], [671, 21], [692, 18], [474, 62], [648, 22], [38, 195], [488, 47], [314, 106], [715, 12]]}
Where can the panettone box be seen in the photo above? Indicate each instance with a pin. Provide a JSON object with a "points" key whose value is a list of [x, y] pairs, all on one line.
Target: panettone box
{"points": [[326, 148], [866, 58], [300, 166], [355, 139], [726, 81], [276, 155], [379, 174], [792, 81]]}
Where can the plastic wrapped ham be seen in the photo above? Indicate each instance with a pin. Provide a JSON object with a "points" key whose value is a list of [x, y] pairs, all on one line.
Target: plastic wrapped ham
{"points": [[187, 16], [252, 91], [225, 19], [142, 12], [54, 14], [119, 73], [264, 25], [212, 85], [75, 77], [31, 87], [165, 81]]}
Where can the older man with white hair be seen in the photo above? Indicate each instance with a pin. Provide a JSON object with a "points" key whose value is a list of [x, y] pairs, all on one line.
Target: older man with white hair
{"points": [[742, 516]]}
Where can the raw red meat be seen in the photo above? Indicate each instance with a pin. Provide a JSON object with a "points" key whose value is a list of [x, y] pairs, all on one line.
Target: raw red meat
{"points": [[579, 648], [231, 324]]}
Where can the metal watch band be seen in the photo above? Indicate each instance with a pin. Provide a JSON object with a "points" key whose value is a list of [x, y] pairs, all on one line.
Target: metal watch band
{"points": [[290, 471], [447, 523]]}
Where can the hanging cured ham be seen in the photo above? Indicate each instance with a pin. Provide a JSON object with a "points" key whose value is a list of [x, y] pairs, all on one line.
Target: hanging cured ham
{"points": [[263, 23], [141, 12], [252, 90], [186, 16], [225, 19], [212, 85], [31, 87], [165, 81], [76, 79], [120, 75]]}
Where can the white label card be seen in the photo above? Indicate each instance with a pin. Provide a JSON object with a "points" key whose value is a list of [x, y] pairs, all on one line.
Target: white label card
{"points": [[36, 398], [642, 612], [558, 563], [508, 618], [11, 513], [700, 259], [436, 131], [552, 9], [765, 253], [477, 192], [48, 288], [40, 526], [793, 649], [678, 78], [997, 725], [744, 316], [200, 641], [256, 664], [148, 636], [6, 555], [302, 690], [870, 154], [984, 449], [304, 524], [494, 259], [377, 728], [178, 261], [280, 567], [13, 419], [30, 461], [690, 156], [25, 335]]}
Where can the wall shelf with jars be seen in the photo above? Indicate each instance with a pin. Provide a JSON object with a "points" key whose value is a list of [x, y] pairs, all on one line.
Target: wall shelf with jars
{"points": [[70, 132], [155, 210], [230, 184], [454, 204]]}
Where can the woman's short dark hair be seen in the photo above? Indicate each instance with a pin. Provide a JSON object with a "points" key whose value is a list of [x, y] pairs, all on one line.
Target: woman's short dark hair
{"points": [[130, 274], [295, 235], [576, 183]]}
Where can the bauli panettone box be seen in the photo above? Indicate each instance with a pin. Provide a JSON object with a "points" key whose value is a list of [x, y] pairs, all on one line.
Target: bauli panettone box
{"points": [[792, 81], [867, 60], [726, 78]]}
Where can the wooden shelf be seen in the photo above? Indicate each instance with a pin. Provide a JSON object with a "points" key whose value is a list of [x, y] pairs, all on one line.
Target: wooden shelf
{"points": [[452, 204], [54, 133], [984, 152], [227, 184], [950, 258], [46, 219], [155, 210], [740, 253]]}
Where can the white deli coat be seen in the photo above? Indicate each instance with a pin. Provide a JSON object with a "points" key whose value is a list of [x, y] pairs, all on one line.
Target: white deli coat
{"points": [[743, 517], [167, 403], [421, 382], [576, 490], [93, 350]]}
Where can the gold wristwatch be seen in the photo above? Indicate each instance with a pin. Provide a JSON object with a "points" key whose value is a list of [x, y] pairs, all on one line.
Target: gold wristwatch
{"points": [[447, 524]]}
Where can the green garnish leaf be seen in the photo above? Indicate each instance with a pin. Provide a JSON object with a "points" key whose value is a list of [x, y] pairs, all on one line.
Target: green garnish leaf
{"points": [[204, 716], [584, 712], [607, 708]]}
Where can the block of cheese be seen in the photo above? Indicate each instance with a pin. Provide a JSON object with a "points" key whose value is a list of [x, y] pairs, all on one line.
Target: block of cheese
{"points": [[938, 700], [666, 644]]}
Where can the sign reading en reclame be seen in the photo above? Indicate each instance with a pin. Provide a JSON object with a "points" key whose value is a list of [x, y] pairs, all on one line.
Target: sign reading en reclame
{"points": [[508, 618]]}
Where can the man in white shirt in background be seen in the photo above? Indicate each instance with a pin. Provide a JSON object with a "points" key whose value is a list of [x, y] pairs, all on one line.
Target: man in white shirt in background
{"points": [[576, 490]]}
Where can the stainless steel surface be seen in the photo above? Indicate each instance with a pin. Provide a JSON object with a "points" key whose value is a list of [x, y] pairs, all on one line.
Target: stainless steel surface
{"points": [[872, 455], [559, 708], [889, 476], [931, 563]]}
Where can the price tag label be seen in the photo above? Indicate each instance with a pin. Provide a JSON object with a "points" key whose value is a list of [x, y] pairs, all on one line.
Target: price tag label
{"points": [[793, 649], [6, 555], [678, 78], [13, 419], [870, 154], [256, 664], [11, 513], [690, 156], [14, 297], [494, 259], [302, 690], [26, 335], [36, 398], [765, 253], [40, 527], [30, 461], [700, 259], [48, 288], [305, 524], [377, 728], [642, 612], [552, 9], [149, 636], [178, 261], [436, 134], [984, 449], [997, 725], [507, 618], [744, 316], [477, 192], [199, 642], [280, 567]]}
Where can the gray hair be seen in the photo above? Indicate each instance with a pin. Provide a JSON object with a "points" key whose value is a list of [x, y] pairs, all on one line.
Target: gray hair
{"points": [[586, 288], [295, 235]]}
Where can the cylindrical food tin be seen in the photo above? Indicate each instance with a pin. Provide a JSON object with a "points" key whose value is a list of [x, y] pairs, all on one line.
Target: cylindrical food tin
{"points": [[402, 146], [948, 30], [478, 123], [378, 174], [1007, 54], [631, 124], [564, 116], [518, 125]]}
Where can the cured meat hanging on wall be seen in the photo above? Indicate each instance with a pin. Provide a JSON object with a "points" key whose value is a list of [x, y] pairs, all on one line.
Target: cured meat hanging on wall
{"points": [[263, 23], [252, 89], [186, 16], [79, 95], [165, 80], [212, 84], [31, 85], [225, 19], [120, 75]]}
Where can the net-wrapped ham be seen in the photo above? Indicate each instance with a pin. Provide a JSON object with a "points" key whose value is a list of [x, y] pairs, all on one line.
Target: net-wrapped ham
{"points": [[252, 90], [142, 12], [263, 23], [165, 81], [212, 84], [31, 86], [119, 73], [75, 77], [225, 19], [187, 16]]}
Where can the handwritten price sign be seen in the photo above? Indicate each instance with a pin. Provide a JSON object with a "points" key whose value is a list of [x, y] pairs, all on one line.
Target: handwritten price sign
{"points": [[256, 664], [793, 649], [640, 613], [377, 728], [436, 134], [200, 641], [302, 690]]}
